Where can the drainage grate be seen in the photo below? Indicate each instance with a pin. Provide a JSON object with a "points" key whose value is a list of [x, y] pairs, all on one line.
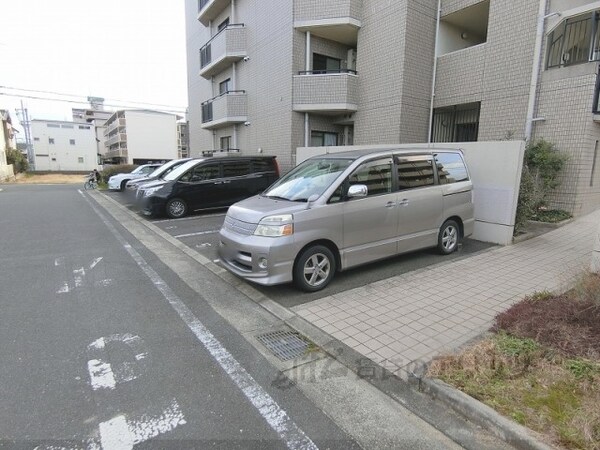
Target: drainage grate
{"points": [[285, 345]]}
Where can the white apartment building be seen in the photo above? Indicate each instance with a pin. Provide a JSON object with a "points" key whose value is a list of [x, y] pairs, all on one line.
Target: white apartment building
{"points": [[63, 146], [140, 136], [7, 140], [273, 76]]}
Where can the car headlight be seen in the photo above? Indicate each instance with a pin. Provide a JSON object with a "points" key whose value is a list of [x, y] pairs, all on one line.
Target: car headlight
{"points": [[275, 226], [151, 190]]}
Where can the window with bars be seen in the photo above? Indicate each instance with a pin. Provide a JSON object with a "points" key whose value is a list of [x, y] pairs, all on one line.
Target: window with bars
{"points": [[458, 123], [574, 41]]}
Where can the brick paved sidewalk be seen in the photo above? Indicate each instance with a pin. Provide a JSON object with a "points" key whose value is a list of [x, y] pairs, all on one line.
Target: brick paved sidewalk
{"points": [[418, 315]]}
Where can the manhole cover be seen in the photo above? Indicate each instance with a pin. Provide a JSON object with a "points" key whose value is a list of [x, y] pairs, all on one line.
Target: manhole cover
{"points": [[285, 345]]}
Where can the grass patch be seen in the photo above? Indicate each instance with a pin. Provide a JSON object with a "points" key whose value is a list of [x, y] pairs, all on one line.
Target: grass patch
{"points": [[541, 366]]}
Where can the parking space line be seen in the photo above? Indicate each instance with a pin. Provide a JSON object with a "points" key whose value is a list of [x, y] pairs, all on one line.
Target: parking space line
{"points": [[190, 218], [199, 233]]}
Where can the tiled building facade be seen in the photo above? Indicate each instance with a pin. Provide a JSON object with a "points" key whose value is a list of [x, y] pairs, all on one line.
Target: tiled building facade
{"points": [[272, 76]]}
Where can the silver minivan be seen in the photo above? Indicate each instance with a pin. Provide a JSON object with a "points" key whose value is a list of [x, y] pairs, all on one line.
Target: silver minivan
{"points": [[339, 210]]}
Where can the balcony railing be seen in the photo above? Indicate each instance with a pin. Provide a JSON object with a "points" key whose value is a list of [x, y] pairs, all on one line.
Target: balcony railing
{"points": [[224, 48], [225, 109], [326, 91]]}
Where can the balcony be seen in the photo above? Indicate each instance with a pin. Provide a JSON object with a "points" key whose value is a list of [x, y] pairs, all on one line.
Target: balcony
{"points": [[326, 92], [223, 49], [112, 140], [223, 110], [209, 9], [115, 153], [336, 20]]}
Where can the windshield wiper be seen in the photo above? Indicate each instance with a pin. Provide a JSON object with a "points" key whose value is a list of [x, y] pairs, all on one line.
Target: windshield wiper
{"points": [[275, 197]]}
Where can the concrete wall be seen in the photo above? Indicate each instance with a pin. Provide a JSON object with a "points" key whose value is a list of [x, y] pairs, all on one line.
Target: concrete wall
{"points": [[495, 169], [62, 155], [150, 135]]}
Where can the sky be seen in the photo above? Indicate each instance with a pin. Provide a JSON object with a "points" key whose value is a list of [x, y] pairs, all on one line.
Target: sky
{"points": [[128, 52]]}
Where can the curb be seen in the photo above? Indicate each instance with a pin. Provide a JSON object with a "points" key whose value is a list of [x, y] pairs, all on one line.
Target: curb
{"points": [[482, 415], [401, 388]]}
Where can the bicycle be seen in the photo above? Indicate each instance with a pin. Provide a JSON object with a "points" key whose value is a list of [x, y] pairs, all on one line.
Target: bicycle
{"points": [[90, 183]]}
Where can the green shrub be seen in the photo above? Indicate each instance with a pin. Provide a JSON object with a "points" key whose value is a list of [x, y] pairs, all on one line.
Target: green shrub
{"points": [[17, 159], [541, 166]]}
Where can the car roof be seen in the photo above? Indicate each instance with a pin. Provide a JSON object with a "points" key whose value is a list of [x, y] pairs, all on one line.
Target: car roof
{"points": [[356, 154]]}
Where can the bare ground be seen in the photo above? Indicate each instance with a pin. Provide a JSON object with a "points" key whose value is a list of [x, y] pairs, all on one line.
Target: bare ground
{"points": [[51, 178]]}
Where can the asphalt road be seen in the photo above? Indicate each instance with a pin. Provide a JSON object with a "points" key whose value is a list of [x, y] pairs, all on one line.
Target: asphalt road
{"points": [[200, 232], [104, 346]]}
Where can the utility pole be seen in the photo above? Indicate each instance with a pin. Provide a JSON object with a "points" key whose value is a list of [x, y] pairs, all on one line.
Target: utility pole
{"points": [[24, 118]]}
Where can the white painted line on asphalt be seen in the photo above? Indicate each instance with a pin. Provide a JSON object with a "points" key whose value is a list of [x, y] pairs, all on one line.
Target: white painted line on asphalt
{"points": [[101, 375], [122, 433], [277, 418], [190, 218], [95, 262], [199, 233]]}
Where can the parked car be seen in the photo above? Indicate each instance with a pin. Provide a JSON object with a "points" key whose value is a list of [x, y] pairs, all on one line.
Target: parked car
{"points": [[337, 211], [133, 185], [211, 182], [117, 182]]}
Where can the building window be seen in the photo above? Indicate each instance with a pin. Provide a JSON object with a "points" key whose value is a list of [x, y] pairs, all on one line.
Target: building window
{"points": [[84, 127], [223, 25], [50, 140], [225, 142], [52, 125], [325, 64], [36, 139], [464, 28], [80, 160], [458, 123], [573, 41], [225, 86], [72, 141], [323, 139], [67, 126]]}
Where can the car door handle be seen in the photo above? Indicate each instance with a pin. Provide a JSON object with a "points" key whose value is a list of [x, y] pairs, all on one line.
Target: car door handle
{"points": [[390, 204], [403, 202]]}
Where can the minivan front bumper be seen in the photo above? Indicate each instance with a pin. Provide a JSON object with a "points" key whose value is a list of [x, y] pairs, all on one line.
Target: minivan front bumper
{"points": [[241, 255]]}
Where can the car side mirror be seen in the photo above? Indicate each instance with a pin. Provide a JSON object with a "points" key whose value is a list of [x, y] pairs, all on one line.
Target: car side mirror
{"points": [[357, 191]]}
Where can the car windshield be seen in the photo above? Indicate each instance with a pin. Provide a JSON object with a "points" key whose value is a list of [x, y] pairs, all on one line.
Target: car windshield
{"points": [[138, 169], [312, 177], [176, 173], [165, 167]]}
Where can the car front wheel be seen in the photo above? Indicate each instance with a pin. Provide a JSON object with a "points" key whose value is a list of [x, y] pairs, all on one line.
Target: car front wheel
{"points": [[176, 208], [314, 268], [449, 237]]}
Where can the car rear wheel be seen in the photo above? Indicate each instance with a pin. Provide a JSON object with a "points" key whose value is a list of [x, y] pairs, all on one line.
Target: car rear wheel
{"points": [[449, 237], [314, 268], [176, 208]]}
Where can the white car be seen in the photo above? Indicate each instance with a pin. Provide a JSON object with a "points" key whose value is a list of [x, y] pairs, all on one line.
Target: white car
{"points": [[117, 182]]}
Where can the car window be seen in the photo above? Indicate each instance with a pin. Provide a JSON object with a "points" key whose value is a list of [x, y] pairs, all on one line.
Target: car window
{"points": [[311, 177], [180, 170], [236, 168], [263, 165], [451, 168], [202, 172], [415, 171], [376, 175]]}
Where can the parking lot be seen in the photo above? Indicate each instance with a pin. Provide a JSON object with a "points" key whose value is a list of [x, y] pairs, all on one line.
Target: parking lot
{"points": [[200, 232]]}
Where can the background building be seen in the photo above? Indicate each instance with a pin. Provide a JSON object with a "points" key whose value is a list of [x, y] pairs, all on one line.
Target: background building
{"points": [[183, 148], [63, 146], [273, 76], [140, 136], [7, 140], [97, 116]]}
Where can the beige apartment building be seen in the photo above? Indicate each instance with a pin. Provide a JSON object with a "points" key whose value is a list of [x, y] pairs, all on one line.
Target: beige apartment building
{"points": [[273, 76]]}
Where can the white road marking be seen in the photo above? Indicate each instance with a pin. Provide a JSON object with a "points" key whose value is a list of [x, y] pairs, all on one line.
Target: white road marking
{"points": [[204, 245], [191, 218], [101, 375], [121, 433], [59, 261], [199, 233], [95, 262], [64, 289], [277, 418]]}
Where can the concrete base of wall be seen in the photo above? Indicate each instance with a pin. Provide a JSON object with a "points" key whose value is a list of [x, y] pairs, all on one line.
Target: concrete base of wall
{"points": [[595, 266], [7, 173]]}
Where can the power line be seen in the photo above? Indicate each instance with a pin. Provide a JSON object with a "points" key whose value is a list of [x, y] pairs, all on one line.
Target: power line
{"points": [[85, 101], [181, 110]]}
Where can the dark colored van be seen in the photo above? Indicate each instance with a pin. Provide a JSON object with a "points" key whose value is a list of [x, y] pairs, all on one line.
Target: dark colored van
{"points": [[211, 182]]}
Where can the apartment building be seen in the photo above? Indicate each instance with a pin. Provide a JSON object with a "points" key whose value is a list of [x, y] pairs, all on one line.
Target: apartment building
{"points": [[97, 116], [273, 76], [183, 148], [63, 146], [140, 136]]}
